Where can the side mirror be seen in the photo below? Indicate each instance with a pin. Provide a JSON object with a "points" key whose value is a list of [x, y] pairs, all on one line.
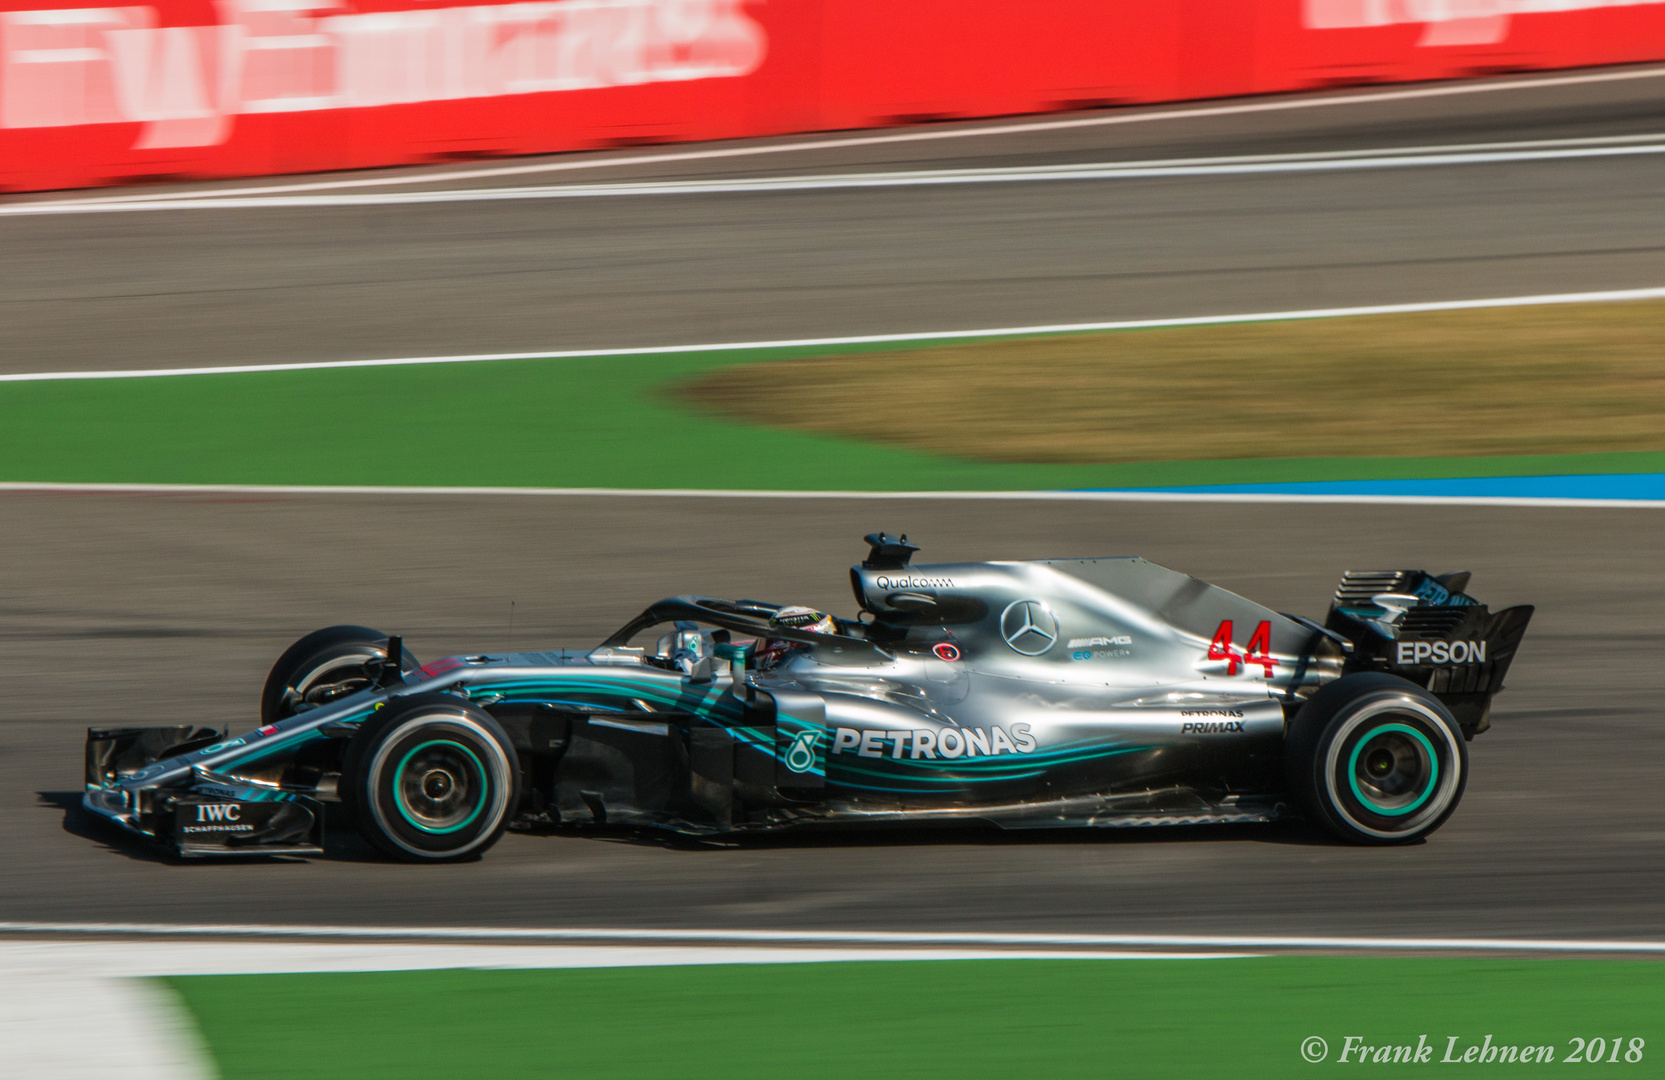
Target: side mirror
{"points": [[685, 643], [739, 657]]}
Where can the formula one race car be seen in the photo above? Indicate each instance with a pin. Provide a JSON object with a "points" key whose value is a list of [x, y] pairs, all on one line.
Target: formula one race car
{"points": [[1063, 692]]}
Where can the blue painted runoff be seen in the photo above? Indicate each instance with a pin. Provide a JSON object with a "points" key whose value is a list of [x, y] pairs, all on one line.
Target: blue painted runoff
{"points": [[1637, 486]]}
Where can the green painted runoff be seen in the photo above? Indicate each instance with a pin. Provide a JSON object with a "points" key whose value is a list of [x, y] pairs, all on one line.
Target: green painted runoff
{"points": [[585, 422], [1244, 1018]]}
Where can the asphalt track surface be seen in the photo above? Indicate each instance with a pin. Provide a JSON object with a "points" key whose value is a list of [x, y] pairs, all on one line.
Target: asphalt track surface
{"points": [[170, 608], [208, 287]]}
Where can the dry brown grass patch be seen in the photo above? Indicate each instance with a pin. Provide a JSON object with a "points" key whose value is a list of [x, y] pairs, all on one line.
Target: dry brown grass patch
{"points": [[1554, 379]]}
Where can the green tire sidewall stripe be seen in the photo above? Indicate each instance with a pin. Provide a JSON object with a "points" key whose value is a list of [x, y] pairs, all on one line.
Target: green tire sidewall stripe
{"points": [[399, 802], [1428, 788]]}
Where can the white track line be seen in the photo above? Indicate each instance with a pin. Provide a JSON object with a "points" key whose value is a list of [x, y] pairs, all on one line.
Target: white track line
{"points": [[1605, 296], [1347, 161], [128, 958], [937, 134], [701, 493], [842, 937]]}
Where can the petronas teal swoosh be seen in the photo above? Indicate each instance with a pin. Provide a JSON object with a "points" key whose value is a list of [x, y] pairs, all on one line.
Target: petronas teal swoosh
{"points": [[709, 700], [997, 769]]}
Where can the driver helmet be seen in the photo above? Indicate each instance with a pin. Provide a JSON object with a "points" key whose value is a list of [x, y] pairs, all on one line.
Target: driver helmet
{"points": [[772, 650], [803, 618]]}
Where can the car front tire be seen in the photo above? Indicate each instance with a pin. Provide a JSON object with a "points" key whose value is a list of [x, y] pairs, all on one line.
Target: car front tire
{"points": [[430, 778]]}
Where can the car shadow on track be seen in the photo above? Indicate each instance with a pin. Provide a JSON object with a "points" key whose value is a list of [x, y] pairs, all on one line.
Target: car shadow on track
{"points": [[343, 844], [80, 823], [1287, 833]]}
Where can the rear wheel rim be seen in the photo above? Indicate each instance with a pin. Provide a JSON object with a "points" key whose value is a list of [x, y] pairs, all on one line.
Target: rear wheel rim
{"points": [[1394, 769], [330, 681]]}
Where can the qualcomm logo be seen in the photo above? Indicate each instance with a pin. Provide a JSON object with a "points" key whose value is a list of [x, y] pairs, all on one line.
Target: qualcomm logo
{"points": [[800, 757], [1028, 627]]}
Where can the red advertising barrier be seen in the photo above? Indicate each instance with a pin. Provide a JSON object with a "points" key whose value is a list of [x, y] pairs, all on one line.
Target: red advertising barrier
{"points": [[211, 88]]}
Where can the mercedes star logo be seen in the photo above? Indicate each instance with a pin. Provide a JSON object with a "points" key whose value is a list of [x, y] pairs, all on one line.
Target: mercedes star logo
{"points": [[1028, 627]]}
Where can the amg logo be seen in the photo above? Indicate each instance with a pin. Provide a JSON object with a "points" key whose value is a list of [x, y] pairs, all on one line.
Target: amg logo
{"points": [[1441, 652], [1095, 642], [218, 811], [1210, 727]]}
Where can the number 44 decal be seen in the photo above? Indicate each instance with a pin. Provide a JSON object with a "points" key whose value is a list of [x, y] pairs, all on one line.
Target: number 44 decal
{"points": [[1259, 650]]}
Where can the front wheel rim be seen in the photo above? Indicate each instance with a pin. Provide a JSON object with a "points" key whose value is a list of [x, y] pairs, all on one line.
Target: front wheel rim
{"points": [[437, 786], [427, 815]]}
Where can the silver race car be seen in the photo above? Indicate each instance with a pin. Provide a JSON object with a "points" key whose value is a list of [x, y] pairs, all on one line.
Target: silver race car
{"points": [[1106, 692]]}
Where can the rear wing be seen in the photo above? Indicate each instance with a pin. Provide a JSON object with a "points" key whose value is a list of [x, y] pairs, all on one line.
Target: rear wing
{"points": [[1429, 630]]}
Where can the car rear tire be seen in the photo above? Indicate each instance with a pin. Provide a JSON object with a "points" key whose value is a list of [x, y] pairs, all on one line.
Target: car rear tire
{"points": [[1376, 759], [324, 666], [430, 778]]}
